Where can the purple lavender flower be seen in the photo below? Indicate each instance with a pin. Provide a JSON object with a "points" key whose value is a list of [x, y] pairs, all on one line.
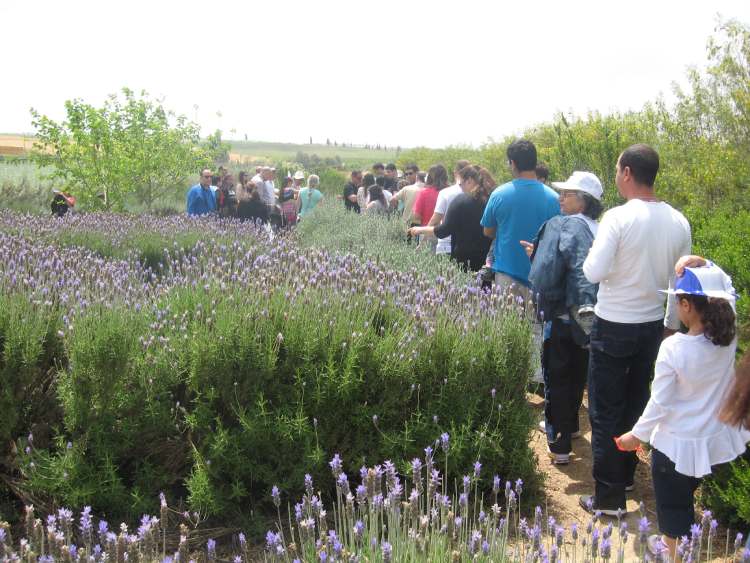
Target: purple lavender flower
{"points": [[463, 500], [444, 441], [336, 465], [643, 527], [477, 469], [308, 484], [276, 496], [387, 552], [211, 549]]}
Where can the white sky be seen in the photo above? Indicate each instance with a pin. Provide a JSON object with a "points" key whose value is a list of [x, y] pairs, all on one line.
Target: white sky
{"points": [[407, 72]]}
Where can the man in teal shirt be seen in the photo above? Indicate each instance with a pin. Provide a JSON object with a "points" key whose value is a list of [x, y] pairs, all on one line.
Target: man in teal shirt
{"points": [[514, 212]]}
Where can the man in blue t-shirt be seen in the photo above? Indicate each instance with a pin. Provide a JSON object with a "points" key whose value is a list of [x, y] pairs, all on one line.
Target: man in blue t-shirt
{"points": [[514, 212], [201, 198]]}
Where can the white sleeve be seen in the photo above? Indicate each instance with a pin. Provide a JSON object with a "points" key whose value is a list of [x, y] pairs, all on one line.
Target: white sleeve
{"points": [[441, 205], [671, 318], [662, 391], [602, 253]]}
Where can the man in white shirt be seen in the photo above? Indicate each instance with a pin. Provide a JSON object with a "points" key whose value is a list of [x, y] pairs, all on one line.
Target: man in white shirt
{"points": [[266, 188], [445, 197], [632, 258], [408, 194]]}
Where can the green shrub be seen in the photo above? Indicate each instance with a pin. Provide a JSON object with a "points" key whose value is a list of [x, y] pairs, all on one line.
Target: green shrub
{"points": [[725, 493], [233, 367], [29, 351]]}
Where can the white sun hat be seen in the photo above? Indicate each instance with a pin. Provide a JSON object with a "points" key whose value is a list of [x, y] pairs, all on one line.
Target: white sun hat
{"points": [[708, 281], [582, 182], [299, 175]]}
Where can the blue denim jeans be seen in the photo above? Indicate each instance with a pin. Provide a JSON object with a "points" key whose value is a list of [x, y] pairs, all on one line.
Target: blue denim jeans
{"points": [[621, 367]]}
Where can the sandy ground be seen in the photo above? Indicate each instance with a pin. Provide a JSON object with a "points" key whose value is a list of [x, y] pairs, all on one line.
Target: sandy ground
{"points": [[565, 483]]}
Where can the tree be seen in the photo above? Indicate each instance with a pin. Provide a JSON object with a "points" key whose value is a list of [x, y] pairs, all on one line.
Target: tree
{"points": [[130, 145], [217, 150]]}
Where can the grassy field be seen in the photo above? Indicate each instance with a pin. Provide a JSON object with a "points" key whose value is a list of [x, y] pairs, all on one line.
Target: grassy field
{"points": [[252, 151]]}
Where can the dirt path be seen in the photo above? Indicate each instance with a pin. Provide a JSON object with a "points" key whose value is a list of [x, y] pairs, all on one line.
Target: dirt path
{"points": [[565, 483]]}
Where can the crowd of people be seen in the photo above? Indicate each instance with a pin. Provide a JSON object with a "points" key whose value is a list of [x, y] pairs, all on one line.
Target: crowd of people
{"points": [[255, 198], [655, 374]]}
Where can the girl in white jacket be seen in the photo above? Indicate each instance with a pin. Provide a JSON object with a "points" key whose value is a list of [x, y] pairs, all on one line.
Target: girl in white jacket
{"points": [[681, 421]]}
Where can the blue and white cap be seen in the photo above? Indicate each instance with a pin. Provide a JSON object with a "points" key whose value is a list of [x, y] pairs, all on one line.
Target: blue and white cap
{"points": [[708, 280]]}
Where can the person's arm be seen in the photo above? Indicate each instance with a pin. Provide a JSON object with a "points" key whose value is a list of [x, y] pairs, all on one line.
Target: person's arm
{"points": [[189, 202], [489, 220], [435, 220], [601, 257], [574, 246], [689, 261], [393, 202], [448, 225], [424, 231]]}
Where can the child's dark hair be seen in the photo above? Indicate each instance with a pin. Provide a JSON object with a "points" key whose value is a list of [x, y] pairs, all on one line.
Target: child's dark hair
{"points": [[717, 316]]}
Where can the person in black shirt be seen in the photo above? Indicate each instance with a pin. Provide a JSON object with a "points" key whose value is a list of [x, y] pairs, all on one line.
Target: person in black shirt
{"points": [[250, 206], [391, 178], [350, 192], [469, 246]]}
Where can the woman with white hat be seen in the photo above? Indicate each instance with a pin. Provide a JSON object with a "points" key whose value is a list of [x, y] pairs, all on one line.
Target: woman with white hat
{"points": [[565, 299]]}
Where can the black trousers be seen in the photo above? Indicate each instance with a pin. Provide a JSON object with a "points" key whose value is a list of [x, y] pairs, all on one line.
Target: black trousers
{"points": [[621, 367], [565, 367], [675, 496]]}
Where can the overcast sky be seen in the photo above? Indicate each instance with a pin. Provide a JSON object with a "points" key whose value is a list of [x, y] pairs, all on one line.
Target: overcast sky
{"points": [[407, 72]]}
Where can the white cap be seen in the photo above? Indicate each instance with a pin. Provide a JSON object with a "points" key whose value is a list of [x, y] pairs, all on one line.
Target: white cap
{"points": [[299, 175], [582, 182], [708, 281]]}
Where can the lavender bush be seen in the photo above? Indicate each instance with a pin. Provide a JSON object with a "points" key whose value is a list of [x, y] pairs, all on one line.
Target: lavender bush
{"points": [[210, 359], [388, 517]]}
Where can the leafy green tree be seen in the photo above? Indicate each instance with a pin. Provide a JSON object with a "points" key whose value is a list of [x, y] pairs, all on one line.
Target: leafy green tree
{"points": [[216, 149], [131, 145]]}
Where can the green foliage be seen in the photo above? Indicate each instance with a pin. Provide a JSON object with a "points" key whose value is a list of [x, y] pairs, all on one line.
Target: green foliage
{"points": [[373, 237], [24, 186], [726, 493], [213, 391], [30, 352], [130, 146], [216, 149]]}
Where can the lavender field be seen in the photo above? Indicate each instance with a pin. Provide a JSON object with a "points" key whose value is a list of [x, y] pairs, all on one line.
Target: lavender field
{"points": [[210, 361]]}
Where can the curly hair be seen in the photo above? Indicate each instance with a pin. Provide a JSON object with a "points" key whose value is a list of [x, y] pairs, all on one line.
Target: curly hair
{"points": [[717, 316]]}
